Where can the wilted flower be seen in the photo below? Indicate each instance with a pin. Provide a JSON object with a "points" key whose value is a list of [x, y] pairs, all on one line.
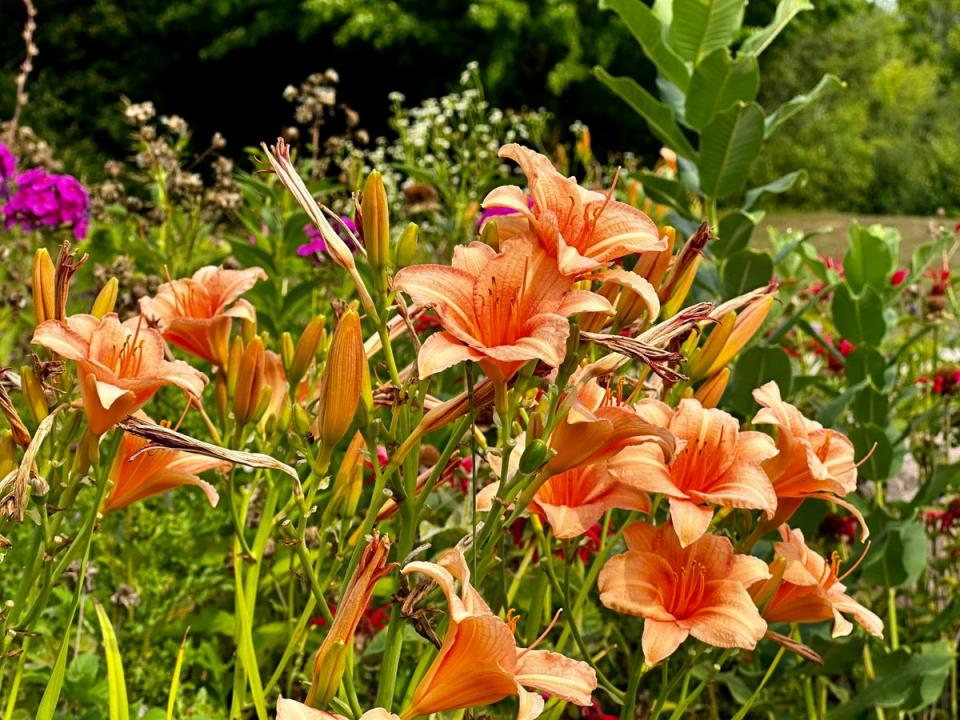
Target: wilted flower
{"points": [[46, 200]]}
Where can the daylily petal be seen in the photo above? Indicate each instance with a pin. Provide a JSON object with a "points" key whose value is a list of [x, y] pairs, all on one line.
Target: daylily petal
{"points": [[728, 618], [632, 583], [472, 258], [661, 639], [441, 351], [556, 674], [689, 519]]}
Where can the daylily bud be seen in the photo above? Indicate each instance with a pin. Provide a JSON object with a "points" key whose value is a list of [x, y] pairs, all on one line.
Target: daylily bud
{"points": [[489, 234], [44, 307], [679, 288], [306, 350], [246, 395], [248, 328], [535, 456], [106, 298], [330, 660], [233, 364], [710, 393], [32, 390], [8, 454], [286, 351], [748, 322], [301, 421], [348, 482], [702, 359], [286, 413], [219, 335], [376, 222], [406, 248], [263, 402], [342, 380], [222, 393], [653, 265]]}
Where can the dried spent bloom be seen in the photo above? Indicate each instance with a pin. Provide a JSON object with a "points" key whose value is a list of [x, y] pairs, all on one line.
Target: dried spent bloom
{"points": [[479, 662], [497, 309], [119, 366], [716, 463], [138, 473], [583, 229], [698, 590], [810, 590], [46, 200], [195, 313]]}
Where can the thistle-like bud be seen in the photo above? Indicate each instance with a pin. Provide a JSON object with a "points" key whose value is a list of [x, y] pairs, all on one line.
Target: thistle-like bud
{"points": [[306, 350], [44, 297], [32, 390], [106, 299], [375, 214], [710, 393], [247, 393], [406, 248], [330, 660], [342, 382]]}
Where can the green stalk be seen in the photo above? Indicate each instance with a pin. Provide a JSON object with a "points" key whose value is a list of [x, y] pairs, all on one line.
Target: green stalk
{"points": [[742, 713]]}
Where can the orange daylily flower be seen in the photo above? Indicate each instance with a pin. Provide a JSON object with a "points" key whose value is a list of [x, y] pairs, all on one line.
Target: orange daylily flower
{"points": [[598, 426], [698, 590], [119, 366], [715, 464], [810, 590], [154, 472], [583, 229], [479, 662], [574, 500], [813, 461], [195, 313], [498, 309]]}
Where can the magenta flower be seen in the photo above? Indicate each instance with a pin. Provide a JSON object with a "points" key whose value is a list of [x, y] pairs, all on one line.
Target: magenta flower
{"points": [[495, 210], [316, 243], [8, 169], [46, 200]]}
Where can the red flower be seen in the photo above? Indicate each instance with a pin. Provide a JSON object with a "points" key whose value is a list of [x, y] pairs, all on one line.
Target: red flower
{"points": [[846, 347], [899, 275]]}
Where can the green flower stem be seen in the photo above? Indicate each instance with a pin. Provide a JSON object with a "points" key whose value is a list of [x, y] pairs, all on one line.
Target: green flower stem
{"points": [[742, 713], [688, 698]]}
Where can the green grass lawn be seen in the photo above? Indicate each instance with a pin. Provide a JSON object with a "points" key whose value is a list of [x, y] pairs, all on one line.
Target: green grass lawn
{"points": [[914, 230]]}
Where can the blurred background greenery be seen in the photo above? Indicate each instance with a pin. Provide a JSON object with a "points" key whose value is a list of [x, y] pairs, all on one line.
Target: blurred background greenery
{"points": [[886, 144]]}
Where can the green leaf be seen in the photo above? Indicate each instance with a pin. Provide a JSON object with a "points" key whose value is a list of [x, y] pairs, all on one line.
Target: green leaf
{"points": [[865, 363], [756, 366], [175, 680], [51, 694], [734, 232], [701, 26], [907, 680], [899, 554], [119, 707], [728, 147], [786, 11], [667, 192], [871, 406], [659, 117], [859, 319], [781, 185], [945, 478], [746, 270], [873, 449], [717, 83], [872, 257], [650, 33], [794, 105]]}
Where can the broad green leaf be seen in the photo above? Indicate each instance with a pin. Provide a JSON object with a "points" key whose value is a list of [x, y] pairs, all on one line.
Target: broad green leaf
{"points": [[658, 116], [859, 319], [650, 33], [908, 680], [945, 478], [796, 104], [873, 449], [829, 413], [745, 270], [717, 83], [781, 185], [119, 707], [728, 147], [871, 406], [872, 257], [755, 367], [786, 11], [734, 232], [701, 26], [899, 554], [865, 363], [667, 192]]}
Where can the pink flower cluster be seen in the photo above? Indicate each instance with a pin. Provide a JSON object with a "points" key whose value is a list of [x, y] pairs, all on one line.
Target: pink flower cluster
{"points": [[42, 199]]}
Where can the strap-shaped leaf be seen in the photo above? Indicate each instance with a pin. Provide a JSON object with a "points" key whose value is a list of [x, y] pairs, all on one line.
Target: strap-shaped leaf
{"points": [[658, 116], [651, 35], [117, 686], [794, 105], [728, 147], [701, 26], [781, 185], [717, 83], [786, 11], [667, 192]]}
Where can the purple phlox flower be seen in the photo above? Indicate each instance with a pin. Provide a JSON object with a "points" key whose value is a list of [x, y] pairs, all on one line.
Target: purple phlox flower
{"points": [[43, 199], [495, 210], [315, 243], [8, 169]]}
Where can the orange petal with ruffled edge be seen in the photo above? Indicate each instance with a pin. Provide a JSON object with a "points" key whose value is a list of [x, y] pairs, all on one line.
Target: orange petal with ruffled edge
{"points": [[661, 639]]}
